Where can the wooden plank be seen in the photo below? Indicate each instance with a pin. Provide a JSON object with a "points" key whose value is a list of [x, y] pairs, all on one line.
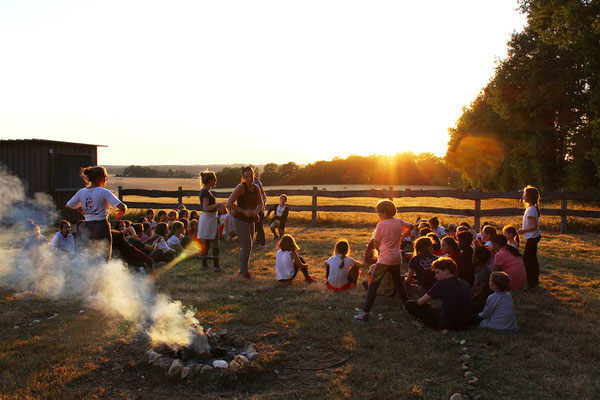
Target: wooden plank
{"points": [[314, 205]]}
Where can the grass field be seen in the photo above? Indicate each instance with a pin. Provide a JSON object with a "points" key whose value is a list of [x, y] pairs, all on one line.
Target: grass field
{"points": [[87, 354]]}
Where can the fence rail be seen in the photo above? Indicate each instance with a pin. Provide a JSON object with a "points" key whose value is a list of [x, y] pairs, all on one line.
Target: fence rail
{"points": [[391, 194]]}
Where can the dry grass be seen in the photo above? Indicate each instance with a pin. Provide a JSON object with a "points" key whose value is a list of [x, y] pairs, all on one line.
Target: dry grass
{"points": [[86, 355]]}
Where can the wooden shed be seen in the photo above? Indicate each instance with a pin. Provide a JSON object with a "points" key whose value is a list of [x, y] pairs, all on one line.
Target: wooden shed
{"points": [[50, 167]]}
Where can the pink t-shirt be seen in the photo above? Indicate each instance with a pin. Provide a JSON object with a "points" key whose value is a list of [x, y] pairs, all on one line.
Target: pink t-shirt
{"points": [[513, 266], [389, 235]]}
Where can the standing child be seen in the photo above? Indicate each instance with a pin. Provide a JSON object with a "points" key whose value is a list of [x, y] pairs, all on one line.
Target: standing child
{"points": [[499, 311], [532, 234], [342, 270], [388, 237], [63, 240], [289, 262]]}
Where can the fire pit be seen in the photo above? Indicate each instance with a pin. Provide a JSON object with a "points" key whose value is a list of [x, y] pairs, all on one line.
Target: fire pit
{"points": [[214, 350]]}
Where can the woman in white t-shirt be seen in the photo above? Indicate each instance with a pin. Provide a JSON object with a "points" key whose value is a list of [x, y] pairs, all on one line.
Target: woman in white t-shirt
{"points": [[532, 234], [63, 240], [94, 202], [342, 271]]}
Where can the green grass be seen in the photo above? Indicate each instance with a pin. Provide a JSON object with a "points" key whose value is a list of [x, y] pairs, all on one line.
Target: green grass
{"points": [[87, 355]]}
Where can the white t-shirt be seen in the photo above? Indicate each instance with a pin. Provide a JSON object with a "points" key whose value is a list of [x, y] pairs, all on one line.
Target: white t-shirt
{"points": [[227, 223], [338, 277], [95, 202], [173, 241], [440, 231], [162, 245], [284, 269], [280, 210], [66, 244], [531, 211]]}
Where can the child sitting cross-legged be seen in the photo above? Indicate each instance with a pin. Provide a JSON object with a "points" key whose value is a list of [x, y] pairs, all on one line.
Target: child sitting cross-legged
{"points": [[480, 289], [342, 271], [455, 295], [499, 311], [420, 264], [289, 262]]}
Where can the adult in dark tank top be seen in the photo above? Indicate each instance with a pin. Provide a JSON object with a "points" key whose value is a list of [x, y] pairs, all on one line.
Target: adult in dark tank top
{"points": [[245, 203]]}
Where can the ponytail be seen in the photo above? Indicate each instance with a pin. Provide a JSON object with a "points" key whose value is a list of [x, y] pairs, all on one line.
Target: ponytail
{"points": [[342, 247], [91, 174]]}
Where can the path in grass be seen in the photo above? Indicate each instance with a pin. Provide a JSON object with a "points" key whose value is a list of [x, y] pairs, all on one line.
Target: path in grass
{"points": [[84, 354]]}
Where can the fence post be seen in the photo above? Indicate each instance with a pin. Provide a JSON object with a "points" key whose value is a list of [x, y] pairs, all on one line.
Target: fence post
{"points": [[180, 196], [314, 205], [391, 193], [563, 213], [120, 193], [477, 209]]}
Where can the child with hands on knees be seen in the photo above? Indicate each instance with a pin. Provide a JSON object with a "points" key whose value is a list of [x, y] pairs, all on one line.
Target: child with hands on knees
{"points": [[499, 311], [288, 262]]}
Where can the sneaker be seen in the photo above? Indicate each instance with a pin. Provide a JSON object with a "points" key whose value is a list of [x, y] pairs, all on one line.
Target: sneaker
{"points": [[362, 316]]}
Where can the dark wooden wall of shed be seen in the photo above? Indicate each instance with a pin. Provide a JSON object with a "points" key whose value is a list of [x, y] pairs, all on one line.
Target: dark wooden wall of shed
{"points": [[49, 167]]}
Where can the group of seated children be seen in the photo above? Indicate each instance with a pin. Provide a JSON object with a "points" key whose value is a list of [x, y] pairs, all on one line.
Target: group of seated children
{"points": [[473, 274]]}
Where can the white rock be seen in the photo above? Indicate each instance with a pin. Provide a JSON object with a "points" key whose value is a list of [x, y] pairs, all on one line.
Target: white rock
{"points": [[232, 297], [252, 355], [16, 327], [473, 380], [81, 311], [175, 368], [468, 374], [223, 332], [35, 321], [201, 347], [465, 367], [463, 341], [465, 357], [444, 331], [185, 372], [152, 356], [456, 396], [220, 364], [464, 349]]}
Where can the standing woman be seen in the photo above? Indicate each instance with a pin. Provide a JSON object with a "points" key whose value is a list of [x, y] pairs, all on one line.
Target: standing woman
{"points": [[532, 234], [208, 224], [249, 203], [94, 202]]}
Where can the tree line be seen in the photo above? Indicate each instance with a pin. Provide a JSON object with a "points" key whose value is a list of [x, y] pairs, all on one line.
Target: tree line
{"points": [[538, 119], [138, 171]]}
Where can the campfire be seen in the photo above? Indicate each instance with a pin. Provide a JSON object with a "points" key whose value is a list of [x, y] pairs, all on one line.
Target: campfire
{"points": [[214, 350]]}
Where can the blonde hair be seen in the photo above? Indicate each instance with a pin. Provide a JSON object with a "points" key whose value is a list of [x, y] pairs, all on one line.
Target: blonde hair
{"points": [[287, 243]]}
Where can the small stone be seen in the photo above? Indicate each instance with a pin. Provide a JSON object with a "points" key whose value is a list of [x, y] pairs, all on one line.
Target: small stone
{"points": [[276, 371], [471, 387], [81, 311], [465, 367], [238, 342], [463, 341], [473, 380], [222, 332], [465, 357], [240, 359], [478, 397], [175, 368], [454, 341], [201, 347], [164, 362], [234, 364], [220, 364], [35, 321], [252, 355], [152, 356], [195, 369], [468, 374], [456, 396], [16, 327], [357, 309], [206, 368], [185, 372], [445, 332], [232, 297], [464, 349]]}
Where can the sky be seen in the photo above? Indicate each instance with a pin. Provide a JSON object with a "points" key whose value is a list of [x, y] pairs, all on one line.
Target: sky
{"points": [[220, 82]]}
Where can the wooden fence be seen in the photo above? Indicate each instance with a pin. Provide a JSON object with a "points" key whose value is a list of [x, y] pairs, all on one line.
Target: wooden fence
{"points": [[476, 212]]}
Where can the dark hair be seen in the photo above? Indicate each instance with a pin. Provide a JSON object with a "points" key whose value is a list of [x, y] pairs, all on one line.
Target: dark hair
{"points": [[425, 232], [501, 280], [465, 223], [173, 212], [148, 211], [127, 223], [532, 194], [283, 196], [465, 239], [185, 222], [287, 243], [462, 228], [489, 230], [138, 228], [342, 247], [160, 213], [451, 242], [421, 245], [482, 254], [30, 226], [176, 224], [452, 227], [184, 213], [513, 231], [91, 175], [141, 220], [161, 229], [434, 222], [194, 215], [503, 242], [445, 264], [146, 226], [207, 176], [435, 239], [246, 169], [386, 207], [62, 223]]}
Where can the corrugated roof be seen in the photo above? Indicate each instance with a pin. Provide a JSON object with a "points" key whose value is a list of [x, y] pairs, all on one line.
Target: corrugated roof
{"points": [[52, 141]]}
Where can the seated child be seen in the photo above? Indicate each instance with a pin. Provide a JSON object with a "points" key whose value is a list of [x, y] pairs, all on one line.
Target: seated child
{"points": [[509, 260], [436, 244], [150, 218], [288, 262], [499, 311], [511, 235], [486, 235], [225, 220], [173, 217], [162, 216], [174, 238], [465, 262], [33, 242], [420, 264], [194, 215], [481, 288], [452, 230], [129, 253], [451, 249], [436, 227], [342, 270], [280, 217], [455, 295], [63, 240], [162, 252], [184, 214]]}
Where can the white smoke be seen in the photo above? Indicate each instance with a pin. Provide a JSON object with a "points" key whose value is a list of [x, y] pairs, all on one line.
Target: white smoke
{"points": [[107, 286]]}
